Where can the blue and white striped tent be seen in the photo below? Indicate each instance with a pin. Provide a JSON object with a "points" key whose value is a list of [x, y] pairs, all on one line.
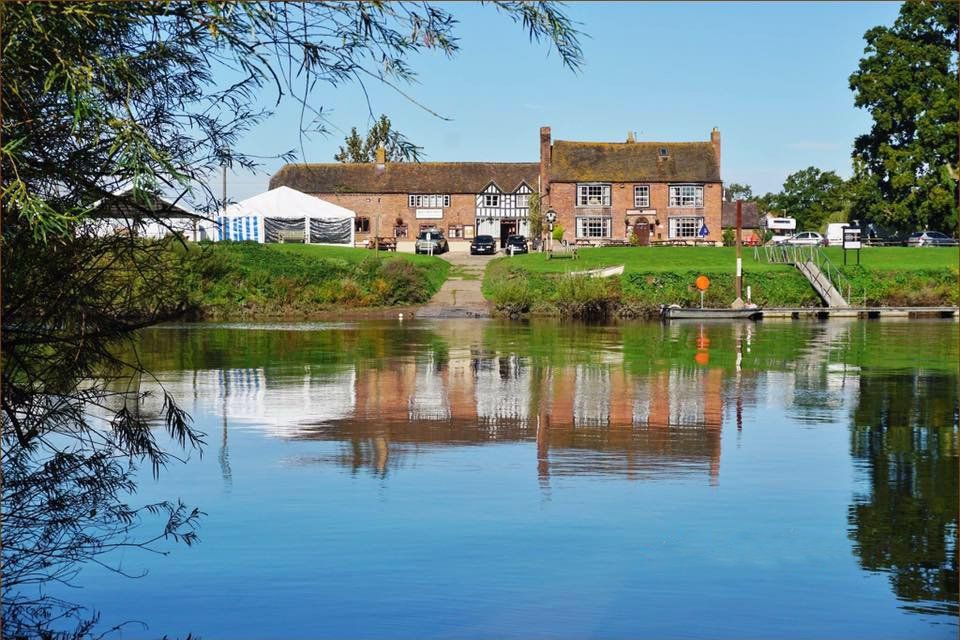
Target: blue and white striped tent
{"points": [[284, 215]]}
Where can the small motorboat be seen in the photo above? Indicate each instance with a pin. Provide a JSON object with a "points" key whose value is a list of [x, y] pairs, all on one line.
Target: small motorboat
{"points": [[676, 312]]}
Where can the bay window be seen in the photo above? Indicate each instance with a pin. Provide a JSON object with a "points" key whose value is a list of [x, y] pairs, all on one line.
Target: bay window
{"points": [[686, 195]]}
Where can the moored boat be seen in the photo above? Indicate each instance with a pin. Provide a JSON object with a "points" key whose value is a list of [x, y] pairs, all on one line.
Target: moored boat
{"points": [[674, 312]]}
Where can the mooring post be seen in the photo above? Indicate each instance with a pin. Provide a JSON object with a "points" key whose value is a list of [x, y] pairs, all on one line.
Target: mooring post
{"points": [[738, 303]]}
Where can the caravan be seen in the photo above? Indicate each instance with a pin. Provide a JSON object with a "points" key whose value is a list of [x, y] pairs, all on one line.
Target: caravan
{"points": [[782, 228]]}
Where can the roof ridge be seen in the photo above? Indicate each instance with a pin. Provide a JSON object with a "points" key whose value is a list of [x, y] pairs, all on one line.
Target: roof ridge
{"points": [[638, 142], [408, 164]]}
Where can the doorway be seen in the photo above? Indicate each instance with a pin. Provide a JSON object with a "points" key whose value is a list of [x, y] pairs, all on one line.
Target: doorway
{"points": [[507, 228]]}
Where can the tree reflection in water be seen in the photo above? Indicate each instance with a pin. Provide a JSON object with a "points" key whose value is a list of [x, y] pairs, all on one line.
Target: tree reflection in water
{"points": [[905, 437]]}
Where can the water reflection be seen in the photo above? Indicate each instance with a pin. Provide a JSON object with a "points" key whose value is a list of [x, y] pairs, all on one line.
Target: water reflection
{"points": [[904, 437], [644, 402]]}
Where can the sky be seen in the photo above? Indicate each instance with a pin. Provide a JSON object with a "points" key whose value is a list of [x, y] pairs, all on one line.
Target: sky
{"points": [[773, 77]]}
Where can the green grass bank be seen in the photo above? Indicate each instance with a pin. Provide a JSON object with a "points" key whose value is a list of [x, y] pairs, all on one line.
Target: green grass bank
{"points": [[887, 276], [246, 280]]}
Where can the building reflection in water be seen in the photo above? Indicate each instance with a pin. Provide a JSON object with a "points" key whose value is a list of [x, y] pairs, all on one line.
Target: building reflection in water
{"points": [[591, 418]]}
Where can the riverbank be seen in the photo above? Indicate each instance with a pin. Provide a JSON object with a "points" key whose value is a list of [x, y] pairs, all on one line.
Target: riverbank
{"points": [[533, 285], [246, 280]]}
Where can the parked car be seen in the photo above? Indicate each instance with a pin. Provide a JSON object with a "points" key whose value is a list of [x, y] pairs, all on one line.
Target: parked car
{"points": [[431, 241], [805, 238], [930, 239], [515, 244], [483, 244]]}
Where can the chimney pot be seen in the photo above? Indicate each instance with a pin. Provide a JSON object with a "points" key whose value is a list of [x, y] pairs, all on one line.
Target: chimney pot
{"points": [[381, 157], [631, 137]]}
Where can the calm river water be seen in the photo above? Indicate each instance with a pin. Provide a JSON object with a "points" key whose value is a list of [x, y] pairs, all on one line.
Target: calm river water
{"points": [[483, 479]]}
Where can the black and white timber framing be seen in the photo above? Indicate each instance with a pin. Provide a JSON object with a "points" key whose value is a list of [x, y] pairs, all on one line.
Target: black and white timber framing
{"points": [[496, 208]]}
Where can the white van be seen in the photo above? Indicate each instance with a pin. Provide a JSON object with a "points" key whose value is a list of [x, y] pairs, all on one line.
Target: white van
{"points": [[834, 235]]}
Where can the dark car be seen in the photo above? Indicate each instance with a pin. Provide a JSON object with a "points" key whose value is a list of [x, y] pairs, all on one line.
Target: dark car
{"points": [[515, 244], [930, 239], [483, 244]]}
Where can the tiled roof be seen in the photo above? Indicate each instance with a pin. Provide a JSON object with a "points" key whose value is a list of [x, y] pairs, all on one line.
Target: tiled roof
{"points": [[633, 162], [751, 215], [406, 177]]}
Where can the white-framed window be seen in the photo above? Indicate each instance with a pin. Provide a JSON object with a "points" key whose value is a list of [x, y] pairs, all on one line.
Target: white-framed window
{"points": [[686, 195], [491, 199], [641, 196], [598, 227], [428, 200], [361, 225], [686, 227], [523, 199], [593, 195]]}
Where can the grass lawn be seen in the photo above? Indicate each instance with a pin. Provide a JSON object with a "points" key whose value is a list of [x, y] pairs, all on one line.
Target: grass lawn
{"points": [[887, 276], [721, 259]]}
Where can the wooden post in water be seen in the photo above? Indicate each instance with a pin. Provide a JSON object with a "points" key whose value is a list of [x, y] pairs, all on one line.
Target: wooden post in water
{"points": [[738, 303]]}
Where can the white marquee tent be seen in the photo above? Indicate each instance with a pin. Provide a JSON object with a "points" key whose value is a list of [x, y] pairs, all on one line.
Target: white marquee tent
{"points": [[286, 215]]}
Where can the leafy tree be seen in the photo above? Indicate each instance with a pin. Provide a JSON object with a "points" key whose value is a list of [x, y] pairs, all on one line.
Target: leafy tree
{"points": [[809, 195], [735, 191], [907, 80], [396, 146], [129, 94]]}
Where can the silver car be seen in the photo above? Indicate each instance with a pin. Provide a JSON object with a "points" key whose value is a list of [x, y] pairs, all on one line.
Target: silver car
{"points": [[805, 238], [431, 241], [930, 239]]}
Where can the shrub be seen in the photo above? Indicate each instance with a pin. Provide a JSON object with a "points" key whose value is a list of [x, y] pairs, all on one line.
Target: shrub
{"points": [[585, 297], [558, 232], [729, 237], [408, 283], [512, 296]]}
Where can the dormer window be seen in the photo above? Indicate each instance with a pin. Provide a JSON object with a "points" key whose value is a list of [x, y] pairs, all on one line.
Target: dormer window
{"points": [[491, 199], [593, 195], [664, 153]]}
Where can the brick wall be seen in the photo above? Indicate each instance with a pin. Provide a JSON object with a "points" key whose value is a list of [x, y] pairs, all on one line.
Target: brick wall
{"points": [[563, 200], [391, 206]]}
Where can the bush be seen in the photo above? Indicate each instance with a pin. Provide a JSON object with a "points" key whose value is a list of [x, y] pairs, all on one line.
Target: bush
{"points": [[513, 296], [558, 232], [585, 297], [729, 237], [408, 283]]}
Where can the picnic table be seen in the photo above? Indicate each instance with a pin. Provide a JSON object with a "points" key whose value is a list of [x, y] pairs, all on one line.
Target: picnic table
{"points": [[290, 235], [384, 242], [583, 242], [615, 243]]}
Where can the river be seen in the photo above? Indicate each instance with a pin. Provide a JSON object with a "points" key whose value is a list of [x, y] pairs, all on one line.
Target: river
{"points": [[467, 478]]}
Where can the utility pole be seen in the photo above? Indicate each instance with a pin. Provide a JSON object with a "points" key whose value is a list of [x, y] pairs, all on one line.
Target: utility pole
{"points": [[738, 303]]}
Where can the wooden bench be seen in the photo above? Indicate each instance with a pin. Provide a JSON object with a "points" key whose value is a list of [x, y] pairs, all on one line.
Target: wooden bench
{"points": [[563, 251]]}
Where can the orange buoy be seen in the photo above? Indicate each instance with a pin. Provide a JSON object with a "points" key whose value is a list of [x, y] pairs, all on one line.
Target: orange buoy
{"points": [[702, 283]]}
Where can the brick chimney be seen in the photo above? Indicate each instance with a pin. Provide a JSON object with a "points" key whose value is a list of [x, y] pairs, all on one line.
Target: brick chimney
{"points": [[544, 166], [381, 158], [715, 141]]}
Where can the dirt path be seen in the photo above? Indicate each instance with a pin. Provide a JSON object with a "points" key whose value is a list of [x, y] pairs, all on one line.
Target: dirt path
{"points": [[460, 295]]}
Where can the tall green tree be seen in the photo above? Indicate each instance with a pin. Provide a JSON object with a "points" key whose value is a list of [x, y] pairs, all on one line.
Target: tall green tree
{"points": [[396, 146], [809, 195], [907, 80], [150, 95], [735, 191]]}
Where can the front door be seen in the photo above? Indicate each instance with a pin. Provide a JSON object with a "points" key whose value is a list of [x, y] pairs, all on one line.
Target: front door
{"points": [[507, 228]]}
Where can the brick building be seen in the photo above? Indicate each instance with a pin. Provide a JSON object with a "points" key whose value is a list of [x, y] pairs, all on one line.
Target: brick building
{"points": [[602, 190], [397, 199]]}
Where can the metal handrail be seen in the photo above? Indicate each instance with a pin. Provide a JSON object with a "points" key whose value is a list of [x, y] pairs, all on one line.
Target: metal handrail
{"points": [[796, 254]]}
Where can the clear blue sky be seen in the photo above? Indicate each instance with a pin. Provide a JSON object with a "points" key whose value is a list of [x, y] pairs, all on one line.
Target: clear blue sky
{"points": [[772, 76]]}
